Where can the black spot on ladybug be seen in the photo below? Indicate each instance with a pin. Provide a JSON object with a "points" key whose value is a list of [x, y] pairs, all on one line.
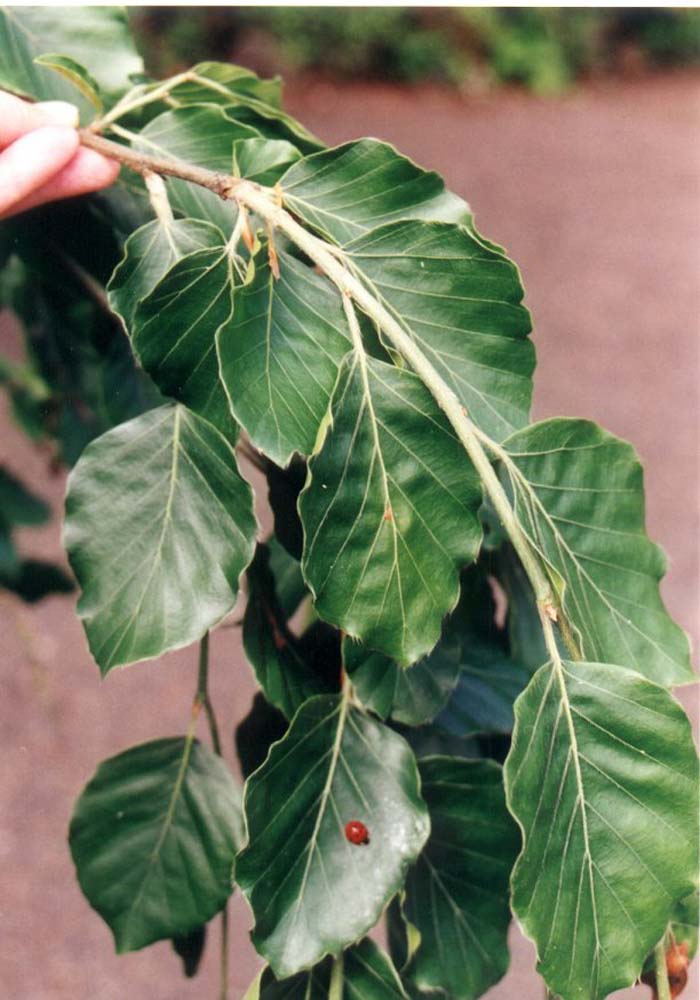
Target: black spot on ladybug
{"points": [[357, 833]]}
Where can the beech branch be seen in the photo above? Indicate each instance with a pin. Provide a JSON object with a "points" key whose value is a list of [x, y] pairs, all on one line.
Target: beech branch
{"points": [[265, 202], [143, 163]]}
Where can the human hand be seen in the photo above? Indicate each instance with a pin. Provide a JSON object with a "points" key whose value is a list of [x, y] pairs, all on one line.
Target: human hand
{"points": [[41, 158]]}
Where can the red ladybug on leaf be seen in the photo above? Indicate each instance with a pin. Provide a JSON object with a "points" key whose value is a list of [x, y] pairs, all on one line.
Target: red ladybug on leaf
{"points": [[357, 833]]}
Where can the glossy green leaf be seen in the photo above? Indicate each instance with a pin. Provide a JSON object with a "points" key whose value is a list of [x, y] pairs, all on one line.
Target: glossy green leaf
{"points": [[97, 38], [279, 355], [173, 332], [457, 894], [346, 191], [274, 653], [334, 765], [578, 493], [75, 74], [389, 513], [154, 836], [363, 972], [461, 303], [263, 160], [603, 780], [159, 526], [149, 253], [412, 695]]}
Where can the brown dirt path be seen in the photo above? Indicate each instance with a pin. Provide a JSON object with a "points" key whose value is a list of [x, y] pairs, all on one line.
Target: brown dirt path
{"points": [[596, 197]]}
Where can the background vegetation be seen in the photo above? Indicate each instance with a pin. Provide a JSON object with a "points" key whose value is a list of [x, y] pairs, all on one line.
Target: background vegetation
{"points": [[546, 50]]}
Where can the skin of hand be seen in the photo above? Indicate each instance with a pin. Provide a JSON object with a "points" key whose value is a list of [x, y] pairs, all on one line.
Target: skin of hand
{"points": [[41, 158]]}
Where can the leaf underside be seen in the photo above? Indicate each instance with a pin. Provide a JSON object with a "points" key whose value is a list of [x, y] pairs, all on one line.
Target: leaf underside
{"points": [[346, 191], [460, 302], [578, 494], [275, 654], [153, 837], [159, 526], [457, 894], [602, 778], [367, 973], [279, 355], [389, 513]]}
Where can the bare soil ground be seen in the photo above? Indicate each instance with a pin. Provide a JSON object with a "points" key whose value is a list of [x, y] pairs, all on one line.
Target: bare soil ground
{"points": [[596, 196]]}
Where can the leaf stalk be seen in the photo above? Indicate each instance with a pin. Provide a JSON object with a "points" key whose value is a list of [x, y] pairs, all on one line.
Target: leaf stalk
{"points": [[202, 699], [663, 988]]}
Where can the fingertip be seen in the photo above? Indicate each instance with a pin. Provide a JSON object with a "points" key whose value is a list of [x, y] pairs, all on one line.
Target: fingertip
{"points": [[53, 142], [32, 160], [57, 113], [92, 171]]}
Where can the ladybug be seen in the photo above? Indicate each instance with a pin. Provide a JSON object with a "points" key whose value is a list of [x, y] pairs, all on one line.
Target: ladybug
{"points": [[357, 833]]}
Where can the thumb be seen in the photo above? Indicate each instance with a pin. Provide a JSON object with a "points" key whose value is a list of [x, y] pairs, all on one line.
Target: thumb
{"points": [[18, 117]]}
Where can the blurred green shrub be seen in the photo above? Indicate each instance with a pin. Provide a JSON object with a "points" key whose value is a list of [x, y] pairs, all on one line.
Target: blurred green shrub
{"points": [[543, 49]]}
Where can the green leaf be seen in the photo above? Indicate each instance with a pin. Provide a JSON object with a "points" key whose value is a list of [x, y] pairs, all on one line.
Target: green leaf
{"points": [[75, 74], [279, 355], [32, 579], [262, 726], [578, 494], [431, 741], [457, 893], [203, 135], [525, 637], [9, 557], [684, 922], [153, 837], [461, 303], [159, 526], [190, 948], [682, 934], [389, 513], [173, 330], [263, 160], [19, 507], [289, 582], [489, 682], [148, 254], [274, 653], [284, 487], [248, 99], [312, 891], [602, 778], [346, 191], [199, 134], [97, 38], [412, 695], [225, 83], [364, 972]]}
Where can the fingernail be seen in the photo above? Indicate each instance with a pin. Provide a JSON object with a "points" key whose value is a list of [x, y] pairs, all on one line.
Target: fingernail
{"points": [[58, 113]]}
